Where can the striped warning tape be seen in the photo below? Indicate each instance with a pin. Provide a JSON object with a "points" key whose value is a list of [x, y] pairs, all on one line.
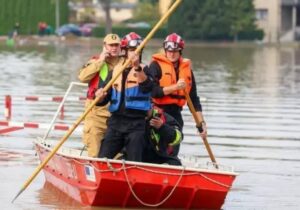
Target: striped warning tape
{"points": [[34, 125], [48, 98]]}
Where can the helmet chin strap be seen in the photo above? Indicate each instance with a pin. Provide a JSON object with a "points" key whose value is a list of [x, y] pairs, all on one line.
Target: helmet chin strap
{"points": [[176, 64]]}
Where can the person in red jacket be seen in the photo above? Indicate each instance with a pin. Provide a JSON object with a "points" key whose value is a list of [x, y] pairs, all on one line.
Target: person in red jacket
{"points": [[173, 75], [95, 71]]}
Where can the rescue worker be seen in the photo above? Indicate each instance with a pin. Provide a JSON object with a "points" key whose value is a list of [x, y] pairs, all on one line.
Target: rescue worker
{"points": [[129, 99], [172, 75], [163, 133], [94, 72]]}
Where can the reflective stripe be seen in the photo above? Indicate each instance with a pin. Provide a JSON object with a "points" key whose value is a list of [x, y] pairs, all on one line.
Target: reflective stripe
{"points": [[177, 139], [155, 136], [103, 72], [137, 98], [93, 84]]}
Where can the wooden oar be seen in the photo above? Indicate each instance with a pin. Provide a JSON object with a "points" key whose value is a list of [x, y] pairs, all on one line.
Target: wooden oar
{"points": [[119, 71], [198, 123]]}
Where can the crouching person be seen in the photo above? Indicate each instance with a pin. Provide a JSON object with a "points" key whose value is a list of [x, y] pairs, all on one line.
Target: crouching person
{"points": [[163, 133], [129, 99]]}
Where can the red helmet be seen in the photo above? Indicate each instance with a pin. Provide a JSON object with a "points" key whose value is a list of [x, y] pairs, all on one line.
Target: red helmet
{"points": [[173, 42], [131, 40]]}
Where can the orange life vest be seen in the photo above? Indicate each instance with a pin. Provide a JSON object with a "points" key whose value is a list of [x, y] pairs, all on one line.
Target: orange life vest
{"points": [[168, 77]]}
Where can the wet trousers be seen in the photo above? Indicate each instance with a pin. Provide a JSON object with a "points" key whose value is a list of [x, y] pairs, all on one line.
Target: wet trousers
{"points": [[95, 126]]}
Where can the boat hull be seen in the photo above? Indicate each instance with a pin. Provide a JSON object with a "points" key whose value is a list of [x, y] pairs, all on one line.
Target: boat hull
{"points": [[102, 182]]}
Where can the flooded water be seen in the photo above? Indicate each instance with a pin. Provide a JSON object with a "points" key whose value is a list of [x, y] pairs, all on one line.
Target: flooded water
{"points": [[250, 96]]}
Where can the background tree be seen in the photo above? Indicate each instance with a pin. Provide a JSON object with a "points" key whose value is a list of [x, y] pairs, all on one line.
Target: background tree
{"points": [[214, 19], [146, 11], [28, 13], [106, 5], [240, 15]]}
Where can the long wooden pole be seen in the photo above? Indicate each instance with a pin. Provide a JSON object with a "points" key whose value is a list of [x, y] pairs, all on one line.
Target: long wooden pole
{"points": [[75, 125], [198, 123]]}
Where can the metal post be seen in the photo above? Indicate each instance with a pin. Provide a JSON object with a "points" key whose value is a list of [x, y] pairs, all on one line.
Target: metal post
{"points": [[294, 19], [62, 113], [57, 14], [60, 107], [7, 110]]}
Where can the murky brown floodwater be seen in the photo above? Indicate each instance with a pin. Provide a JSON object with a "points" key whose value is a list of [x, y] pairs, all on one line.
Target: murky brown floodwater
{"points": [[252, 111]]}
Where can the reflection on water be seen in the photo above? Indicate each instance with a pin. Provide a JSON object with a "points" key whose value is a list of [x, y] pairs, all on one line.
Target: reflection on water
{"points": [[52, 197], [252, 111]]}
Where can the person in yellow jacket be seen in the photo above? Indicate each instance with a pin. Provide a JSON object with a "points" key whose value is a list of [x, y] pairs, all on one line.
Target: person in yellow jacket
{"points": [[94, 72]]}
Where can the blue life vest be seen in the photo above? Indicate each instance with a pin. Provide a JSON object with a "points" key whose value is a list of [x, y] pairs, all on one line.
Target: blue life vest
{"points": [[134, 97]]}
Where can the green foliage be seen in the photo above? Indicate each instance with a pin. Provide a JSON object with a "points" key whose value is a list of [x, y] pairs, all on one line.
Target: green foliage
{"points": [[149, 1], [121, 31], [147, 12], [29, 13], [241, 17], [215, 20]]}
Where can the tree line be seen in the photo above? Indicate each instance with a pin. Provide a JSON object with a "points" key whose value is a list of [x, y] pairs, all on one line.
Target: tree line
{"points": [[28, 13], [215, 20]]}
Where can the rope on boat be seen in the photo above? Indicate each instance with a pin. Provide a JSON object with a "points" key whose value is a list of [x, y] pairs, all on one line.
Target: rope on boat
{"points": [[149, 204], [112, 169], [186, 174]]}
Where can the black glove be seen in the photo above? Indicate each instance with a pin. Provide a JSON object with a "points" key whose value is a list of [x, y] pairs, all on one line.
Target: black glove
{"points": [[138, 69], [200, 127]]}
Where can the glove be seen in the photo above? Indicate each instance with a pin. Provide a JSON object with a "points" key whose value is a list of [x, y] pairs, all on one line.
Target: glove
{"points": [[200, 127]]}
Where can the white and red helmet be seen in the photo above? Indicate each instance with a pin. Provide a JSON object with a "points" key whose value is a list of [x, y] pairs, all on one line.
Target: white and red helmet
{"points": [[173, 42], [131, 40]]}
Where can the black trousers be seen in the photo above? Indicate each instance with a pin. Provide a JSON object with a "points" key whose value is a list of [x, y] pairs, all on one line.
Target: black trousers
{"points": [[124, 132], [151, 156]]}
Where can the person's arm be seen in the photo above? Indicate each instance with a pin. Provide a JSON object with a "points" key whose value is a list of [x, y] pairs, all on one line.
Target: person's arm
{"points": [[171, 134], [104, 96], [169, 131], [155, 72], [145, 79], [194, 96], [198, 107], [89, 70], [172, 88], [142, 73], [158, 91]]}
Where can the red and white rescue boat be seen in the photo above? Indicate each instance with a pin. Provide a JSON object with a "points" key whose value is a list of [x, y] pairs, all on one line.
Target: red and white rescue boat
{"points": [[118, 183]]}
